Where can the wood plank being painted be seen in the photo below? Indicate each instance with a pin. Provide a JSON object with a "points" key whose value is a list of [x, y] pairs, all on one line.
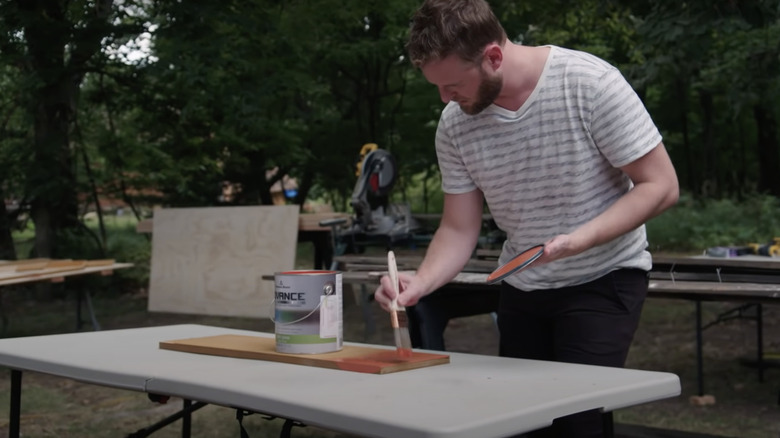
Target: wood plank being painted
{"points": [[210, 261], [350, 358]]}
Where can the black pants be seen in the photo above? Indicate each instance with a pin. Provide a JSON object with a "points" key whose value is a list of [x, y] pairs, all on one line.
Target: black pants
{"points": [[591, 323]]}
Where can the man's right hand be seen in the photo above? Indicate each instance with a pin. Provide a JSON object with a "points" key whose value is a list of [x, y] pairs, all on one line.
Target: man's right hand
{"points": [[411, 291]]}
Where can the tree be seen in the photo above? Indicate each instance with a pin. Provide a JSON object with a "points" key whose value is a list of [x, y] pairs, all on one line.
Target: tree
{"points": [[720, 62], [356, 49], [53, 45], [239, 91]]}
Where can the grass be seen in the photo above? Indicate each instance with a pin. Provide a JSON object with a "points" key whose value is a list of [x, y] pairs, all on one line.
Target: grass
{"points": [[745, 407]]}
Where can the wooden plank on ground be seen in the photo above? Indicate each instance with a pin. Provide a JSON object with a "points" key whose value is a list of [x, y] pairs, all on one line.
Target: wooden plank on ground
{"points": [[210, 261]]}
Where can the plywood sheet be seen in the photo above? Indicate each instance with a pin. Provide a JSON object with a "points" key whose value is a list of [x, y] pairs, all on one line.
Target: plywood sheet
{"points": [[350, 358], [210, 261]]}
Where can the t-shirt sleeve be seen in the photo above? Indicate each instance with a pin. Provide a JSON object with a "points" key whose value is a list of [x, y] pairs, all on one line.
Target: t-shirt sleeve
{"points": [[621, 127], [455, 178]]}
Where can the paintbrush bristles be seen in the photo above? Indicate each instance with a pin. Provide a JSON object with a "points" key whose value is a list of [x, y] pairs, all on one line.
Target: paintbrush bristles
{"points": [[401, 319], [403, 340]]}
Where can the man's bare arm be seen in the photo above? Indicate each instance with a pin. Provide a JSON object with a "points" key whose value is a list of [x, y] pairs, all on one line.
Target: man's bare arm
{"points": [[655, 190]]}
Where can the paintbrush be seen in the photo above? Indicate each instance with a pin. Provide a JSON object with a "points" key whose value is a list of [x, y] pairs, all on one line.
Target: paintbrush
{"points": [[398, 318]]}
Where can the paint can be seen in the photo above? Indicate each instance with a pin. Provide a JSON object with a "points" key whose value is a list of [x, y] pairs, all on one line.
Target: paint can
{"points": [[308, 312]]}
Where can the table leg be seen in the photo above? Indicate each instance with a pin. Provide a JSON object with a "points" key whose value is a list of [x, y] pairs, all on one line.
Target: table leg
{"points": [[186, 420], [16, 402], [760, 340], [365, 297], [426, 324], [287, 428], [3, 316], [95, 323], [609, 424], [699, 354], [323, 247], [79, 322], [184, 414], [85, 296]]}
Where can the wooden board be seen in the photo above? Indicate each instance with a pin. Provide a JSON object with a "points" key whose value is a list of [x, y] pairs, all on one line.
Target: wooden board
{"points": [[55, 270], [350, 358], [18, 272], [7, 263], [62, 265], [210, 261]]}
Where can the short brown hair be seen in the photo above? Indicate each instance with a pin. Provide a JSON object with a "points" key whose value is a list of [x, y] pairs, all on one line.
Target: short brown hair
{"points": [[441, 28]]}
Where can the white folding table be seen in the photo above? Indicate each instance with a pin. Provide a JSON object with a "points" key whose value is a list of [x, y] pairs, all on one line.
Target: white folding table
{"points": [[473, 395]]}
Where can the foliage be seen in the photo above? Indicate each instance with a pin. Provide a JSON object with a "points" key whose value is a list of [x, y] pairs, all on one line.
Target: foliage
{"points": [[424, 194], [48, 48], [695, 224], [127, 246], [232, 90], [714, 73]]}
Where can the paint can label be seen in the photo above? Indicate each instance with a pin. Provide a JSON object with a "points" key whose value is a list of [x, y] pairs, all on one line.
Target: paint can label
{"points": [[308, 311]]}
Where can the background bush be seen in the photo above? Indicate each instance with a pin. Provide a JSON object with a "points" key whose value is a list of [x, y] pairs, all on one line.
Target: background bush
{"points": [[694, 225], [690, 227]]}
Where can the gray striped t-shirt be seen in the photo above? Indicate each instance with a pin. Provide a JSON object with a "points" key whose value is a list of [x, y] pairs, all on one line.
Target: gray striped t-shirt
{"points": [[552, 165]]}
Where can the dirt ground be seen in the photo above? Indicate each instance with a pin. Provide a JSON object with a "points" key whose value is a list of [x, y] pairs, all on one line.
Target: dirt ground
{"points": [[744, 406]]}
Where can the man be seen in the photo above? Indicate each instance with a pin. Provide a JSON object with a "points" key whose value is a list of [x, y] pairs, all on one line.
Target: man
{"points": [[564, 153]]}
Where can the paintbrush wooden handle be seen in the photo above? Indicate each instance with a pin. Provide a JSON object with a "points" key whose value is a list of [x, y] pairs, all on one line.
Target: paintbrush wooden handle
{"points": [[392, 272], [398, 319]]}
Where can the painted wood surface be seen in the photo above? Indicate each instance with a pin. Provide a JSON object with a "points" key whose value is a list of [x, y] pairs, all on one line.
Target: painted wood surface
{"points": [[210, 261], [351, 358]]}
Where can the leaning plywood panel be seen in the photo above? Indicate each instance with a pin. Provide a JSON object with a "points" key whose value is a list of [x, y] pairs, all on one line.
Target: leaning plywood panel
{"points": [[211, 261]]}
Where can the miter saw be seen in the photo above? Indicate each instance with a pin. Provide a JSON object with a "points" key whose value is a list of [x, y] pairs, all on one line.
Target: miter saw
{"points": [[376, 220]]}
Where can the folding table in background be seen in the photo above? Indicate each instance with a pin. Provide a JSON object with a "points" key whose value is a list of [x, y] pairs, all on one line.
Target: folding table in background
{"points": [[15, 272]]}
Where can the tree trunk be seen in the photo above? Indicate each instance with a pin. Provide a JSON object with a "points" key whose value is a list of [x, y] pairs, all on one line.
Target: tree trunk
{"points": [[768, 149], [7, 249], [305, 184], [681, 89], [712, 179], [49, 36], [54, 206]]}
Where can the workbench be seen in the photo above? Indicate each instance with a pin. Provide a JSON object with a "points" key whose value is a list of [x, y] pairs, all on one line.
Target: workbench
{"points": [[15, 272], [751, 281], [472, 396]]}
